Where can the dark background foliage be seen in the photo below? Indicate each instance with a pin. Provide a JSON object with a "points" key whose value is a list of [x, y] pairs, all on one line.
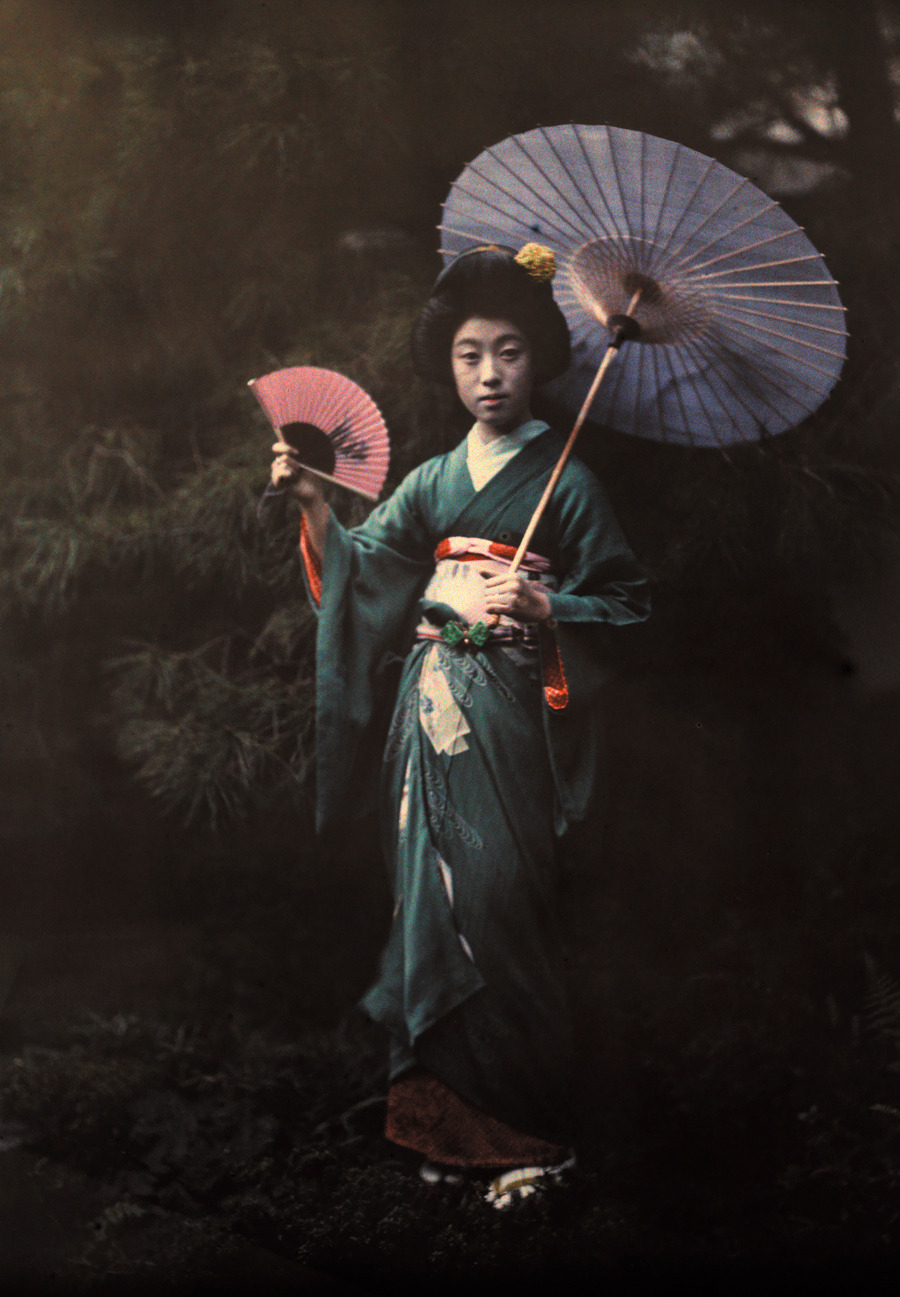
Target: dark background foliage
{"points": [[194, 193]]}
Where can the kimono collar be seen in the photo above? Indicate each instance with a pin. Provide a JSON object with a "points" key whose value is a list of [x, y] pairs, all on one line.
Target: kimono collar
{"points": [[486, 456]]}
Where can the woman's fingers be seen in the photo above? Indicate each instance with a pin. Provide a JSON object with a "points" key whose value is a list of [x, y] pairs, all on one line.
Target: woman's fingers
{"points": [[284, 470], [517, 597], [506, 585]]}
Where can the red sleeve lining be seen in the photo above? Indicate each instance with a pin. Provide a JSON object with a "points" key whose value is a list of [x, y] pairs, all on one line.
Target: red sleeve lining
{"points": [[311, 562]]}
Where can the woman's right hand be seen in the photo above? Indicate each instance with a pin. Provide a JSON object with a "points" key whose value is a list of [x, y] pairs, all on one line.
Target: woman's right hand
{"points": [[290, 475]]}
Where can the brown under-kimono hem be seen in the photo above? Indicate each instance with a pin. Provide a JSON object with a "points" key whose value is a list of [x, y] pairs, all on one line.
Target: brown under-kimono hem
{"points": [[425, 1115]]}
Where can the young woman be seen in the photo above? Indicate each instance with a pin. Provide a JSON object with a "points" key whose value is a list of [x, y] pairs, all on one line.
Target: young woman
{"points": [[489, 749]]}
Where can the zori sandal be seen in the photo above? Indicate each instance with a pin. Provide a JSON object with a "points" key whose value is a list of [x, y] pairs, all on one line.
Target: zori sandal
{"points": [[524, 1182], [431, 1173]]}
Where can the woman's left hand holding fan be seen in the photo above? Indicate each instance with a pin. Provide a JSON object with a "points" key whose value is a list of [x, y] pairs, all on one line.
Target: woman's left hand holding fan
{"points": [[288, 474]]}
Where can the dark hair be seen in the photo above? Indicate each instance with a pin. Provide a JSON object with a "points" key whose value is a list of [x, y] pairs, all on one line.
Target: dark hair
{"points": [[489, 282]]}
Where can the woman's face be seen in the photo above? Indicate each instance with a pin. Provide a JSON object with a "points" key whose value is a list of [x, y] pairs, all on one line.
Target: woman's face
{"points": [[494, 373]]}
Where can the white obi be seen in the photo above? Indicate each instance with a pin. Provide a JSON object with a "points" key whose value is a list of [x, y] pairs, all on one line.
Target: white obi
{"points": [[463, 566]]}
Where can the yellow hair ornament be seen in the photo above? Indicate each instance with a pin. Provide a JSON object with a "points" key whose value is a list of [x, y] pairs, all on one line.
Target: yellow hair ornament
{"points": [[538, 261]]}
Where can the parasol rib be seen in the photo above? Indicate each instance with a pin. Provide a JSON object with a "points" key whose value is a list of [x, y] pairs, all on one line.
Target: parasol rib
{"points": [[750, 364], [573, 235], [582, 195], [665, 196], [618, 179], [737, 252], [760, 265], [664, 354], [710, 163], [596, 179], [644, 258], [567, 231], [582, 228], [789, 319], [748, 373], [779, 283], [675, 252], [749, 326], [707, 359], [474, 239], [729, 233], [777, 301]]}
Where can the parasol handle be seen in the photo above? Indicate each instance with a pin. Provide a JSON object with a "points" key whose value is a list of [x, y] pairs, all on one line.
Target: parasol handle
{"points": [[623, 330]]}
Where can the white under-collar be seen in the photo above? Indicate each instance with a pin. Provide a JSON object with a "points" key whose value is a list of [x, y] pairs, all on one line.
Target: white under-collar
{"points": [[485, 456]]}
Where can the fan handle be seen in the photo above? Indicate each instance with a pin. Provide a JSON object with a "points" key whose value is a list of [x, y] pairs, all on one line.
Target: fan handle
{"points": [[335, 481]]}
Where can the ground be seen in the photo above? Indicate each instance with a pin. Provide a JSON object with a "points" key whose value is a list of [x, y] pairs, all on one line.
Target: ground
{"points": [[186, 1107]]}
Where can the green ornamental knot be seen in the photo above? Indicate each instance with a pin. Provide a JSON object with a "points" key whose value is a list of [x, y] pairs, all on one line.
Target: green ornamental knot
{"points": [[455, 633]]}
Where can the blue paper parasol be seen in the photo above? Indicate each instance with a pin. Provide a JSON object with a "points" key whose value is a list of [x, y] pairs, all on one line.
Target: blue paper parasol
{"points": [[734, 327]]}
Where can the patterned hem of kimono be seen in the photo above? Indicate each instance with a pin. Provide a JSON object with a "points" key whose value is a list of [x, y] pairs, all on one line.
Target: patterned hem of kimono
{"points": [[427, 1116]]}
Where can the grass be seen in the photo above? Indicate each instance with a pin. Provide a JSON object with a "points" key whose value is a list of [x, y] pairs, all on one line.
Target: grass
{"points": [[737, 1121]]}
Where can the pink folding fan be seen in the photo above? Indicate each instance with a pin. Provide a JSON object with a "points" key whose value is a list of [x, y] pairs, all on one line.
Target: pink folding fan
{"points": [[335, 428]]}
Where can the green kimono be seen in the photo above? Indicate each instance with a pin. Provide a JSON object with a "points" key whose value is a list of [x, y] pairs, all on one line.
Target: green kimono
{"points": [[471, 982]]}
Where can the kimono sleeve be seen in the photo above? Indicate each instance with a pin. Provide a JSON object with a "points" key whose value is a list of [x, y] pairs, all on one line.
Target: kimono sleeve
{"points": [[601, 579], [370, 580]]}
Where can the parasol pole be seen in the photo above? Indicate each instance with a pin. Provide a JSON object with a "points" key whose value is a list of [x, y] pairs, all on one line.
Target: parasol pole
{"points": [[625, 328]]}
